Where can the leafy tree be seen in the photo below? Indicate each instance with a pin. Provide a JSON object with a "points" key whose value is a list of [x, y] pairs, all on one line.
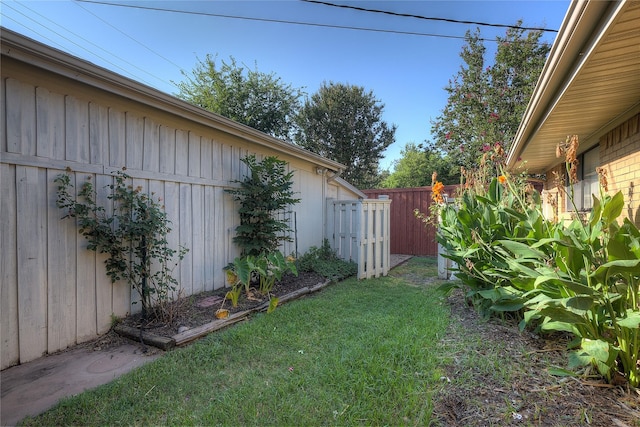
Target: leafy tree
{"points": [[343, 123], [265, 191], [253, 98], [486, 103], [417, 164]]}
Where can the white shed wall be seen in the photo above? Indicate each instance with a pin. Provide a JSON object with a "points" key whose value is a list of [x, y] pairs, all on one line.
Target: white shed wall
{"points": [[54, 292]]}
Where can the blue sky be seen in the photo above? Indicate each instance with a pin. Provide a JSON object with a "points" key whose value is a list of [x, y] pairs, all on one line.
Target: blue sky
{"points": [[406, 72]]}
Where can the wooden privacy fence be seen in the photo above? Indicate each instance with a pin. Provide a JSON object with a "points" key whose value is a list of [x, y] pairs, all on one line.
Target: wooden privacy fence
{"points": [[359, 231], [409, 235], [54, 292]]}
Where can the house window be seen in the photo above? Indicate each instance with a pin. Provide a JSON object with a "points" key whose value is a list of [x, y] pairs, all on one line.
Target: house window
{"points": [[587, 184]]}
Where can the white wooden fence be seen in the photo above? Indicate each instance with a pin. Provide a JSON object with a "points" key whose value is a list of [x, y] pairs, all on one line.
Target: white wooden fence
{"points": [[359, 231], [57, 114]]}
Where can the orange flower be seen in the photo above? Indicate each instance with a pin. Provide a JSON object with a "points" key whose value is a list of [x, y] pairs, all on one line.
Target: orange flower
{"points": [[436, 190], [502, 179]]}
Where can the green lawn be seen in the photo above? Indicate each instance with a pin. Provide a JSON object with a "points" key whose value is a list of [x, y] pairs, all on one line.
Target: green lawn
{"points": [[359, 352]]}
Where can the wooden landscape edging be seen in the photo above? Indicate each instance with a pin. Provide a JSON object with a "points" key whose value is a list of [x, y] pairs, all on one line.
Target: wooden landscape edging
{"points": [[186, 337], [163, 343]]}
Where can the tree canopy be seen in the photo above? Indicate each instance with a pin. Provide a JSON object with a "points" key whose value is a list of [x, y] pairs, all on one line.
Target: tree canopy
{"points": [[247, 96], [416, 166], [343, 123], [486, 103]]}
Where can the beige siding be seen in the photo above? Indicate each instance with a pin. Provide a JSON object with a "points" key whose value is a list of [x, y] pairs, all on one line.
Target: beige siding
{"points": [[54, 292]]}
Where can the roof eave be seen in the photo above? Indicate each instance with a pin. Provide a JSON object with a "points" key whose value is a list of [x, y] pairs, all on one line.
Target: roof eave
{"points": [[579, 34], [37, 54]]}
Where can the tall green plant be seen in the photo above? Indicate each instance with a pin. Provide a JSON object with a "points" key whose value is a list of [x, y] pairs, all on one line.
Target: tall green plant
{"points": [[580, 277], [266, 191], [134, 236]]}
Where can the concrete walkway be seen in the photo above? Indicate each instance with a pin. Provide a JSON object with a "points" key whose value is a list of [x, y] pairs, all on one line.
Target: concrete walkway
{"points": [[32, 388]]}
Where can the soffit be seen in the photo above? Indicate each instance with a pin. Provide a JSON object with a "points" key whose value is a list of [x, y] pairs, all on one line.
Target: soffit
{"points": [[604, 91]]}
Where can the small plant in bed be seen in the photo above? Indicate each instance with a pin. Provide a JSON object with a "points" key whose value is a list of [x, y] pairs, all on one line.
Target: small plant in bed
{"points": [[325, 262]]}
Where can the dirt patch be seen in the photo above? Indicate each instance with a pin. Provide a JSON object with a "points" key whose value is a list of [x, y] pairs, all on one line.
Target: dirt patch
{"points": [[196, 310], [528, 395]]}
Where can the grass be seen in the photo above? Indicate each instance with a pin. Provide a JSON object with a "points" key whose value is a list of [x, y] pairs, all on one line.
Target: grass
{"points": [[376, 352], [360, 352]]}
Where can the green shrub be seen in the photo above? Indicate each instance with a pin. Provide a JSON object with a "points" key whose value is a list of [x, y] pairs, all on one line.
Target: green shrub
{"points": [[264, 193], [134, 236], [325, 262]]}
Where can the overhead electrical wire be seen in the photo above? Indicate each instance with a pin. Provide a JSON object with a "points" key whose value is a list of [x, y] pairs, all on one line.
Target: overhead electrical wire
{"points": [[409, 15], [187, 12], [280, 21], [77, 44], [128, 36]]}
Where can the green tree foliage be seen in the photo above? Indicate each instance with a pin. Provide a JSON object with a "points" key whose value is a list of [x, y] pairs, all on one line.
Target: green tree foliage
{"points": [[486, 103], [247, 96], [416, 166], [343, 123], [265, 192]]}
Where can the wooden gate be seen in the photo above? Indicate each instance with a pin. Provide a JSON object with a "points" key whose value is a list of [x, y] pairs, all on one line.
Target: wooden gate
{"points": [[359, 231], [409, 235]]}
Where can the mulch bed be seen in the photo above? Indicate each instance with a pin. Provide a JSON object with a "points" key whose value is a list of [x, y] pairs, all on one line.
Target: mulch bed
{"points": [[197, 310], [534, 397]]}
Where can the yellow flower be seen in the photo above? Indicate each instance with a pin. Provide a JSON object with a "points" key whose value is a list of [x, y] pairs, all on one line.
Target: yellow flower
{"points": [[502, 179]]}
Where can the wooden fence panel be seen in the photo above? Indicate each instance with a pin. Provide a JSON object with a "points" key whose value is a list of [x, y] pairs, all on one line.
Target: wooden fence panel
{"points": [[358, 230], [61, 250], [409, 235], [31, 246], [54, 292], [9, 343]]}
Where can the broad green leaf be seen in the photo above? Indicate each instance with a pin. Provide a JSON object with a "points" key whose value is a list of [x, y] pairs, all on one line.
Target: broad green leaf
{"points": [[613, 208], [583, 303], [560, 327], [632, 321], [596, 211], [521, 216], [598, 349], [548, 241], [522, 250], [596, 231], [578, 288], [508, 305], [619, 247], [526, 271], [562, 314], [465, 218], [618, 266], [273, 303]]}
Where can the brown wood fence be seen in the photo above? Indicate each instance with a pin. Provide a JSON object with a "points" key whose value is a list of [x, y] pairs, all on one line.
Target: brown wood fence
{"points": [[409, 235]]}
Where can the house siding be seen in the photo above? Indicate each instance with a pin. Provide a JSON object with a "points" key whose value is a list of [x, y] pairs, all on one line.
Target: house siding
{"points": [[620, 158], [619, 153]]}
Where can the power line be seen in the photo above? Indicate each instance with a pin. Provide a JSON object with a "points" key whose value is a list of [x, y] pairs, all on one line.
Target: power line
{"points": [[71, 41], [127, 35], [279, 21], [408, 15], [32, 30]]}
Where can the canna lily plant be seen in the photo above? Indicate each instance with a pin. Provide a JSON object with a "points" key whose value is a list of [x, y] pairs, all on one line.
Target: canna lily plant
{"points": [[582, 277]]}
